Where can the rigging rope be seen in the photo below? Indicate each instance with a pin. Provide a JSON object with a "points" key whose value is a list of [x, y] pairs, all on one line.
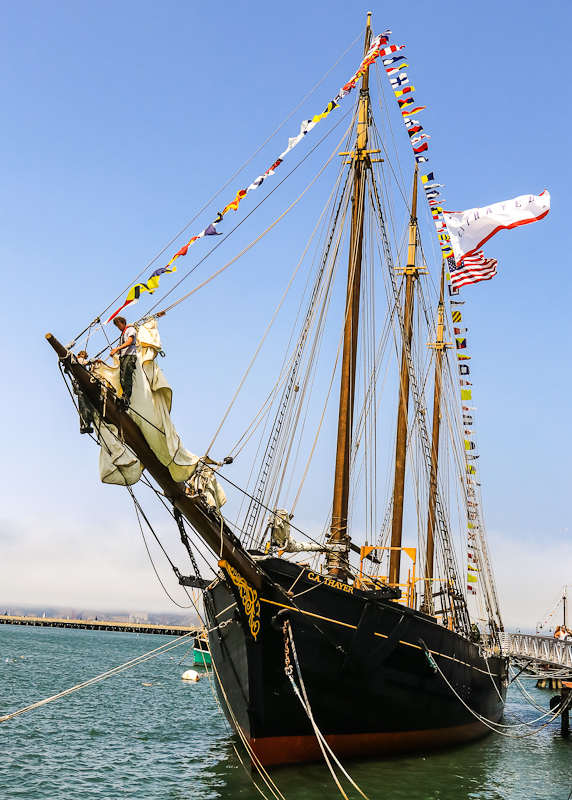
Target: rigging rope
{"points": [[283, 296], [366, 461], [164, 648], [225, 185], [282, 422], [243, 220], [137, 508]]}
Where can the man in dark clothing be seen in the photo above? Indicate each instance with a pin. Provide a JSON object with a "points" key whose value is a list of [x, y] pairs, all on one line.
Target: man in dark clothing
{"points": [[85, 408], [127, 358]]}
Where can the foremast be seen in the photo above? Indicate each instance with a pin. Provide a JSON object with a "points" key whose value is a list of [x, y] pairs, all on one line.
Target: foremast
{"points": [[338, 562]]}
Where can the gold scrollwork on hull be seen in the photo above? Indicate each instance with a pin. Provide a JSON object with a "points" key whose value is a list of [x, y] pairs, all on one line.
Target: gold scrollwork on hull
{"points": [[248, 595]]}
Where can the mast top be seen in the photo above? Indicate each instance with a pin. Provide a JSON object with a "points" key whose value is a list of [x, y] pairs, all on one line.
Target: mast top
{"points": [[368, 25]]}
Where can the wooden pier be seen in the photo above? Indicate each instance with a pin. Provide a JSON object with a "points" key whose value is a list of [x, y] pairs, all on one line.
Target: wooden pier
{"points": [[98, 625]]}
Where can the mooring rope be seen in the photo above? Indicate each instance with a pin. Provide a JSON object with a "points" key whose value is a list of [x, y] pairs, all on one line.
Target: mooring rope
{"points": [[324, 746], [205, 631], [164, 648], [257, 764], [490, 723], [223, 187]]}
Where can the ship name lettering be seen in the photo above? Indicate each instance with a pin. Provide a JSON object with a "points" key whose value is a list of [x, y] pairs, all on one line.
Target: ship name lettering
{"points": [[313, 576]]}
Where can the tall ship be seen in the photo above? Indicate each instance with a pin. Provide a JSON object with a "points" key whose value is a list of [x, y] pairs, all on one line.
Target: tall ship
{"points": [[376, 632]]}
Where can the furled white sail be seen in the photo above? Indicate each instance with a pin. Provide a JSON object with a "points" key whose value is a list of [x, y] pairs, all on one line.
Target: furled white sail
{"points": [[118, 464], [151, 406], [150, 409]]}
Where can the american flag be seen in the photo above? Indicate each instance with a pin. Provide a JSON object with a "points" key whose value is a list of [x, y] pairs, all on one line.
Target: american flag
{"points": [[473, 269]]}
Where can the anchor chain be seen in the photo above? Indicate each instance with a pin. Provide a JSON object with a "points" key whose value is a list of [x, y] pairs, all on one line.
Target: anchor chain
{"points": [[288, 668], [208, 602]]}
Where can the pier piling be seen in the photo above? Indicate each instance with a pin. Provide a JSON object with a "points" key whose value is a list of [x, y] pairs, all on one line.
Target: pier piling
{"points": [[565, 715]]}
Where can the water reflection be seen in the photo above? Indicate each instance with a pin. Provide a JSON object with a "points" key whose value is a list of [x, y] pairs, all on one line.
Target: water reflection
{"points": [[496, 767]]}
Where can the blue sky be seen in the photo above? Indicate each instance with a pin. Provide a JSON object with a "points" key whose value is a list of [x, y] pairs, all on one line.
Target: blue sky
{"points": [[121, 120]]}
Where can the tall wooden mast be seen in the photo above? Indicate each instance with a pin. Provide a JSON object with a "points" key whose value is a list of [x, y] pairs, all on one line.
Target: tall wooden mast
{"points": [[411, 274], [439, 345], [337, 562]]}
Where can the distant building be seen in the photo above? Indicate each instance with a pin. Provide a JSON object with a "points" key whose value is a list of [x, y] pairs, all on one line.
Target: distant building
{"points": [[87, 615], [138, 617]]}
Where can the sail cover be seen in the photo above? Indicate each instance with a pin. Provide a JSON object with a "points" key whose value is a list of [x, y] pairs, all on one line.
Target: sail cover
{"points": [[118, 464], [150, 409]]}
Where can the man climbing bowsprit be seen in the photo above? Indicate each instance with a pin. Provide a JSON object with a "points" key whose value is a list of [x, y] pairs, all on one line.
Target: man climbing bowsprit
{"points": [[127, 356]]}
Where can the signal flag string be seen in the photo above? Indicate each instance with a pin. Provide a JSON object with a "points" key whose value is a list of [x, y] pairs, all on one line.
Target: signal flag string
{"points": [[378, 48]]}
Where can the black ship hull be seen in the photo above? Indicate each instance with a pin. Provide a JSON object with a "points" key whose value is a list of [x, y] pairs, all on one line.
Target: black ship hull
{"points": [[371, 686]]}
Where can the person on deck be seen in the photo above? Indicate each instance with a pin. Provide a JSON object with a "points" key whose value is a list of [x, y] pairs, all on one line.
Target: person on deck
{"points": [[127, 358]]}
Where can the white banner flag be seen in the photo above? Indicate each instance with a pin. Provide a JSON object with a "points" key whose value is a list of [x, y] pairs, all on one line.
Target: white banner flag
{"points": [[470, 229]]}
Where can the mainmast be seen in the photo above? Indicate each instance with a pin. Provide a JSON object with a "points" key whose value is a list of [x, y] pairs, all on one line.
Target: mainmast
{"points": [[411, 273], [337, 562], [439, 345]]}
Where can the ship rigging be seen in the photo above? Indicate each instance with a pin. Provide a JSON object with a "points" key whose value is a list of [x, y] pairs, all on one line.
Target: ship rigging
{"points": [[394, 654]]}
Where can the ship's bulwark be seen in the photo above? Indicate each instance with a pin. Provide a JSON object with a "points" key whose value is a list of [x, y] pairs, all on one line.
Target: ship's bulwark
{"points": [[371, 687]]}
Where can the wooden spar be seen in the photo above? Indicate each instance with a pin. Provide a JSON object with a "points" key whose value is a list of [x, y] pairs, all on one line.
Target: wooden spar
{"points": [[209, 528], [439, 346], [337, 562], [411, 273]]}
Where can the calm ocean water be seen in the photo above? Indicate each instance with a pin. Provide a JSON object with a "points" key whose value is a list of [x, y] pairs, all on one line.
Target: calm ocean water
{"points": [[121, 739]]}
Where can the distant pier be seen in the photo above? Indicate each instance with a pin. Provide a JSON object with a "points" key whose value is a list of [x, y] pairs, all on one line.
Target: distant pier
{"points": [[98, 625]]}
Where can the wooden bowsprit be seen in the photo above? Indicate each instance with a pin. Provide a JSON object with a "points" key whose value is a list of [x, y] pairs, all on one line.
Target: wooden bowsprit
{"points": [[217, 536]]}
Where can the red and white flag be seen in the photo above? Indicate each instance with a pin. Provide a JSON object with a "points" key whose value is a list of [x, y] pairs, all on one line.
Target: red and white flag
{"points": [[473, 269], [470, 229]]}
